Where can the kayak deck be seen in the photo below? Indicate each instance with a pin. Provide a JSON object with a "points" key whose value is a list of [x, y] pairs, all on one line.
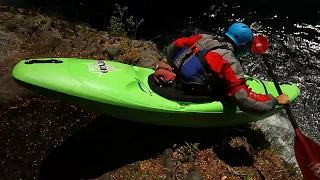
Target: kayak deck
{"points": [[124, 91]]}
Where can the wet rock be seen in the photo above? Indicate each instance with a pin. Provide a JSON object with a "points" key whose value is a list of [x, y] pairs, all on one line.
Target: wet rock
{"points": [[279, 132], [114, 50], [193, 175], [149, 55], [168, 164], [167, 153]]}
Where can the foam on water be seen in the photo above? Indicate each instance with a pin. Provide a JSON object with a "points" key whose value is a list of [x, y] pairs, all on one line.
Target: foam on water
{"points": [[295, 48]]}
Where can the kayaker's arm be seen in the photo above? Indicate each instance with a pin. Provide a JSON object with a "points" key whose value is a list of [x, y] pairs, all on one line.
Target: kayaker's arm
{"points": [[229, 69], [252, 102]]}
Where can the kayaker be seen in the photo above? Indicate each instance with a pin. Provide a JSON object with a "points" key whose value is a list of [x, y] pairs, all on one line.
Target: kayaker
{"points": [[209, 64]]}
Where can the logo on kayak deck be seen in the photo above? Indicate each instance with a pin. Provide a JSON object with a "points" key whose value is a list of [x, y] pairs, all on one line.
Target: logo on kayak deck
{"points": [[101, 67]]}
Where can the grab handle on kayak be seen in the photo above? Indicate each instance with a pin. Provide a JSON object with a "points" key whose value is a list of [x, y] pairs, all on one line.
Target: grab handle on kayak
{"points": [[144, 86], [43, 61]]}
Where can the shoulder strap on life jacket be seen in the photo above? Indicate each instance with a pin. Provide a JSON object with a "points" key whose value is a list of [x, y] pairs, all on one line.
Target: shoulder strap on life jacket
{"points": [[199, 49], [207, 44]]}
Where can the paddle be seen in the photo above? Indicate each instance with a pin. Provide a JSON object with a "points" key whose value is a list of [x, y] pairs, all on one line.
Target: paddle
{"points": [[307, 151]]}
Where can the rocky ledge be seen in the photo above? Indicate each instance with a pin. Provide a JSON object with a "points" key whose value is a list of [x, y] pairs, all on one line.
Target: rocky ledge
{"points": [[28, 34], [187, 162]]}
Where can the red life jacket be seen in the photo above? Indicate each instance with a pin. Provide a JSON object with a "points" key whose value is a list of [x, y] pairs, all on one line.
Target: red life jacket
{"points": [[191, 66]]}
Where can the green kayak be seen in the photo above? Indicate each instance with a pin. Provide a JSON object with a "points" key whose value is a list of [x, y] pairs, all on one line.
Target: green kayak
{"points": [[126, 91]]}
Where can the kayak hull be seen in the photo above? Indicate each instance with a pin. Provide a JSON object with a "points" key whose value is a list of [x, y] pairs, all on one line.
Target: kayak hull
{"points": [[126, 98], [228, 118]]}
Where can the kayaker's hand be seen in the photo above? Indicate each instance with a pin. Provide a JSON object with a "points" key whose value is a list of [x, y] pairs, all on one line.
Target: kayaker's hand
{"points": [[283, 99]]}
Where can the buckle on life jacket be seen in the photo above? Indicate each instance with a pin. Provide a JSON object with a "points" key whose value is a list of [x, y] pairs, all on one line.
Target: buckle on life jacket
{"points": [[195, 48]]}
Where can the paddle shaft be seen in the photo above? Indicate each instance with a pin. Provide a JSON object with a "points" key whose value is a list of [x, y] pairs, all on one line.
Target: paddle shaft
{"points": [[275, 81]]}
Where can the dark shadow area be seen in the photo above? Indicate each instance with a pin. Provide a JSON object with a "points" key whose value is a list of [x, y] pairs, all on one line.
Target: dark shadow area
{"points": [[238, 156], [172, 93], [108, 143], [162, 17]]}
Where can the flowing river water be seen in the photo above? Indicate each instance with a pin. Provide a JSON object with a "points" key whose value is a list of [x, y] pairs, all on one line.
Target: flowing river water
{"points": [[294, 37]]}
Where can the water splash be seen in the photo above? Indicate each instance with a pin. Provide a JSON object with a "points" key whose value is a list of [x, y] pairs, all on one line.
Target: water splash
{"points": [[295, 48]]}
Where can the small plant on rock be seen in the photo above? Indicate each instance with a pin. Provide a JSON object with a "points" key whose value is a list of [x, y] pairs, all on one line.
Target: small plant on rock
{"points": [[246, 176], [133, 25], [188, 152], [117, 23]]}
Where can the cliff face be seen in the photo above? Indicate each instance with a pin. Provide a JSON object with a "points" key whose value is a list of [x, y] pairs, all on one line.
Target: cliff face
{"points": [[27, 34]]}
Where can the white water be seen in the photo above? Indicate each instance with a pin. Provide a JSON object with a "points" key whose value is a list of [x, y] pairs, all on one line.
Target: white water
{"points": [[280, 134], [296, 51]]}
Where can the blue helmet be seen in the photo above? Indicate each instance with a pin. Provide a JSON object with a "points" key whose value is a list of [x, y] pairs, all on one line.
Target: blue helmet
{"points": [[240, 34]]}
